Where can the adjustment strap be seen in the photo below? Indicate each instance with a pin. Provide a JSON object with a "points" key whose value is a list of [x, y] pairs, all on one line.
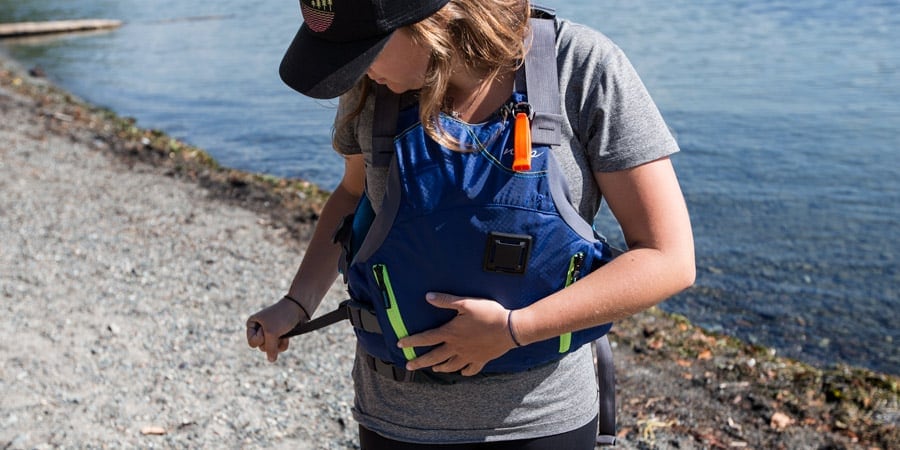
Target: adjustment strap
{"points": [[359, 315], [389, 370], [394, 372], [542, 83], [384, 126], [362, 318], [606, 380]]}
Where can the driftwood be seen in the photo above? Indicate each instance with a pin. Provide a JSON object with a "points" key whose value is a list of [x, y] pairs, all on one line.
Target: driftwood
{"points": [[56, 26]]}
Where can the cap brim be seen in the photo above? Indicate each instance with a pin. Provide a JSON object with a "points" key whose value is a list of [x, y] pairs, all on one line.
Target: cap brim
{"points": [[324, 69]]}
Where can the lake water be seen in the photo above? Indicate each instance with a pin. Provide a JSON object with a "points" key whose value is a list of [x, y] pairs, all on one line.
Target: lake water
{"points": [[787, 112]]}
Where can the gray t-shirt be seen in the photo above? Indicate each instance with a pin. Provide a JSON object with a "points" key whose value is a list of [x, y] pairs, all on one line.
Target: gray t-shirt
{"points": [[611, 124]]}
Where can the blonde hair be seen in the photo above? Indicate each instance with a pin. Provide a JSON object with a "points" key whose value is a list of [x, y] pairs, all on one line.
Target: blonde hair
{"points": [[486, 36]]}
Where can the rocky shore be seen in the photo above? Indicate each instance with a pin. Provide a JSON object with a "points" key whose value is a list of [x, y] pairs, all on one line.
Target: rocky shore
{"points": [[131, 260]]}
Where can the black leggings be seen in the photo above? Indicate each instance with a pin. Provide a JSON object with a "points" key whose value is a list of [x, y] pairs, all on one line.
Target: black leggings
{"points": [[583, 438]]}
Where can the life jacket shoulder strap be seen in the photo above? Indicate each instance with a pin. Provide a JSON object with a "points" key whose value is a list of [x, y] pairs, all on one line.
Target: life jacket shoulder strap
{"points": [[384, 125], [541, 82]]}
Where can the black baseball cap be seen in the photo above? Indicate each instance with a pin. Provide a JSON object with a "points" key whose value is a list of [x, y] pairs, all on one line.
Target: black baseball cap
{"points": [[339, 39]]}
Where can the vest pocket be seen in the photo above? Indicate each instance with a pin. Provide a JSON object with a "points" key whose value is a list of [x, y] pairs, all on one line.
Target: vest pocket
{"points": [[391, 307]]}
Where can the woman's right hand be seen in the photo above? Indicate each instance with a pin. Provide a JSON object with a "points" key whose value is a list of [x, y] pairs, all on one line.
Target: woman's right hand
{"points": [[265, 328], [313, 279]]}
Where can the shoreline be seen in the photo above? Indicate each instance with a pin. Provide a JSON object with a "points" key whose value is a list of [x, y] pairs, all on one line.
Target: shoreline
{"points": [[679, 386]]}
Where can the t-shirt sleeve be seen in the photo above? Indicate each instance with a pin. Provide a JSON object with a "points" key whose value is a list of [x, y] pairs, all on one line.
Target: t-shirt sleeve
{"points": [[616, 121], [346, 138]]}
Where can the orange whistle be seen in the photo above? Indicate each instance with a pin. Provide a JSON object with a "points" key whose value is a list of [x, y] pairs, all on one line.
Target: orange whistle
{"points": [[522, 144]]}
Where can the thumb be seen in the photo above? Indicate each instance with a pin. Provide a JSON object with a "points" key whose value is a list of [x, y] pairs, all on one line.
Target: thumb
{"points": [[272, 346], [446, 301], [255, 336]]}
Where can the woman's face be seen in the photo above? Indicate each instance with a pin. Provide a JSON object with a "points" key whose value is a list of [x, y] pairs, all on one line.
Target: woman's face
{"points": [[401, 65]]}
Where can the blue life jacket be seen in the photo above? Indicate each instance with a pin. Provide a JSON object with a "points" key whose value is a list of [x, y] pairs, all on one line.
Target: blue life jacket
{"points": [[465, 223]]}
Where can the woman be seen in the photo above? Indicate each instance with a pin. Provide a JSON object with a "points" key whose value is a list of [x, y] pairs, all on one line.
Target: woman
{"points": [[460, 58]]}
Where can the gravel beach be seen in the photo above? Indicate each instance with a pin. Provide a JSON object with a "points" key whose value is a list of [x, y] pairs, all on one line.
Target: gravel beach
{"points": [[126, 280], [126, 292]]}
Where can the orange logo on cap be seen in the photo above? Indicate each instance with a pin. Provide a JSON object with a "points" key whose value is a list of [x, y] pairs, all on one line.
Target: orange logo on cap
{"points": [[318, 14]]}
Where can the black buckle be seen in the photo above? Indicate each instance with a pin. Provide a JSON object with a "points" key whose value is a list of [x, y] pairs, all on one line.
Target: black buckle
{"points": [[389, 370], [507, 253], [363, 318]]}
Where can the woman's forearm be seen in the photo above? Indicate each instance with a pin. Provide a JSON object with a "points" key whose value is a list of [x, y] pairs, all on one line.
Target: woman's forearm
{"points": [[318, 269], [648, 203], [631, 283]]}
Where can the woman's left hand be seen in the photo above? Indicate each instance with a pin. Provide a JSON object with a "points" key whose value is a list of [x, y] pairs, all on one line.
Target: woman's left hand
{"points": [[478, 334]]}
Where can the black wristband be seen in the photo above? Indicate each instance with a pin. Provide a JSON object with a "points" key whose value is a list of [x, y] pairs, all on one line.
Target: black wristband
{"points": [[512, 333], [302, 308]]}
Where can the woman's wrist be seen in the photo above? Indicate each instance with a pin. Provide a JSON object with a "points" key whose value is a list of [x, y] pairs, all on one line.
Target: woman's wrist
{"points": [[511, 328], [299, 305]]}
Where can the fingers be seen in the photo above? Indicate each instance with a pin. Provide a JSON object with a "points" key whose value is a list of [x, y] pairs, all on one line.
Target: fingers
{"points": [[426, 338], [445, 301], [264, 328], [255, 337], [471, 369], [272, 346], [467, 342], [437, 335], [458, 365], [438, 356], [442, 360]]}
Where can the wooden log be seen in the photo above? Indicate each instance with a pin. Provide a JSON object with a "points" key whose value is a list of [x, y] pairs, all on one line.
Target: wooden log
{"points": [[55, 26]]}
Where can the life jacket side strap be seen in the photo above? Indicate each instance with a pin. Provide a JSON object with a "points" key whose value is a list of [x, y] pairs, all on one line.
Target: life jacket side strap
{"points": [[359, 315], [606, 380]]}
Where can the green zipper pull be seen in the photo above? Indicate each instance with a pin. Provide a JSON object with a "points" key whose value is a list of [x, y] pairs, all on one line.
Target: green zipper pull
{"points": [[391, 307], [575, 265], [379, 271]]}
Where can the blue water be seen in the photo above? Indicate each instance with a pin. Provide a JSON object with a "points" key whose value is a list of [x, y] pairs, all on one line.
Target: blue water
{"points": [[788, 115]]}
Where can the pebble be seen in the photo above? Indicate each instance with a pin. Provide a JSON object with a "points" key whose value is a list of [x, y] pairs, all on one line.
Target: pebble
{"points": [[128, 291]]}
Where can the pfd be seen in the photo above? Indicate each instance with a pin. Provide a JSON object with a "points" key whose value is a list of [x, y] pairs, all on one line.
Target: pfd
{"points": [[469, 224], [466, 223]]}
